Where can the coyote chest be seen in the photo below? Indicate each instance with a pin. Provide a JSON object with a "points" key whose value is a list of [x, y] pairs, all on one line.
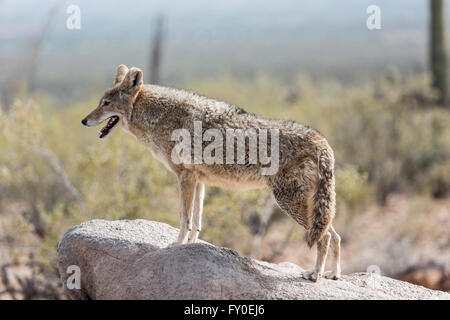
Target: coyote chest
{"points": [[157, 151]]}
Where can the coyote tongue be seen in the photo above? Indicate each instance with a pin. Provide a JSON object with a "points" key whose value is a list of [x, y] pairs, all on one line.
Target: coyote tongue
{"points": [[103, 132]]}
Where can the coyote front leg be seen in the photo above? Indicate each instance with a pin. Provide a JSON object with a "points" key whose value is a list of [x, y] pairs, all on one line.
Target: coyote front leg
{"points": [[197, 212], [187, 190]]}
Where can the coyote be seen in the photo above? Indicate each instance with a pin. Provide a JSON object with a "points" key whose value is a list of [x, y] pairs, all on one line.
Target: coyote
{"points": [[303, 186]]}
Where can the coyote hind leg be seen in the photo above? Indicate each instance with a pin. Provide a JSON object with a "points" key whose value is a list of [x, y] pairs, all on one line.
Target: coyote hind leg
{"points": [[296, 192], [293, 192], [335, 274], [322, 249]]}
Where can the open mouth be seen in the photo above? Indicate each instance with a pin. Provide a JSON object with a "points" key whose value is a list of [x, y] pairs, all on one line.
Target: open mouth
{"points": [[112, 121]]}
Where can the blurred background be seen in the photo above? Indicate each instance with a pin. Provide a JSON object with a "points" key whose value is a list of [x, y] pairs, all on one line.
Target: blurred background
{"points": [[379, 96]]}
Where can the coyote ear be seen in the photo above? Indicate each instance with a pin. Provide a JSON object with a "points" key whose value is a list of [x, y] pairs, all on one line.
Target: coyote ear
{"points": [[121, 73], [132, 81]]}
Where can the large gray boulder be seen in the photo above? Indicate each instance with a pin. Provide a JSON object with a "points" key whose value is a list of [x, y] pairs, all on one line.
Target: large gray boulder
{"points": [[134, 259]]}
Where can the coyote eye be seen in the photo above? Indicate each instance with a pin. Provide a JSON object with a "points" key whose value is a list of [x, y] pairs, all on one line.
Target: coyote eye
{"points": [[105, 103]]}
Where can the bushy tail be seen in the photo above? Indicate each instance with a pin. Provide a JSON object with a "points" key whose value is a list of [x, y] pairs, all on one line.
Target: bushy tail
{"points": [[323, 201]]}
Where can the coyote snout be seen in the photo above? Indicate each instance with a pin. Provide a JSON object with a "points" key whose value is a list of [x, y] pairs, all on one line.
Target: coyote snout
{"points": [[302, 182]]}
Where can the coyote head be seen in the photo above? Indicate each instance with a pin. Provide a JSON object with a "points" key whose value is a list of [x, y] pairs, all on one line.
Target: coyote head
{"points": [[117, 102]]}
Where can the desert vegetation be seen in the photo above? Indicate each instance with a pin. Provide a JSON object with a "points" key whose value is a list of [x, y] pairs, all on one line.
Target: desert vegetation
{"points": [[389, 138]]}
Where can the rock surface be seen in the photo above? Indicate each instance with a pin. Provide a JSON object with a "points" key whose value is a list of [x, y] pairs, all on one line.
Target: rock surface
{"points": [[133, 259]]}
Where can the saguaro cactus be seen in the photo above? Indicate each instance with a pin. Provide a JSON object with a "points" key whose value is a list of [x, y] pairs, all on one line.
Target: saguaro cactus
{"points": [[438, 49], [155, 51]]}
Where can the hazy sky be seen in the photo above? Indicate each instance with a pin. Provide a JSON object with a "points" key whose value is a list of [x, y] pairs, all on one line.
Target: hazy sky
{"points": [[204, 38]]}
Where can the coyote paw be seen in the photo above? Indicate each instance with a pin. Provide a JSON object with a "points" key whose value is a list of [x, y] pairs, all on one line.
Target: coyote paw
{"points": [[193, 237], [333, 275], [312, 275], [192, 240]]}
